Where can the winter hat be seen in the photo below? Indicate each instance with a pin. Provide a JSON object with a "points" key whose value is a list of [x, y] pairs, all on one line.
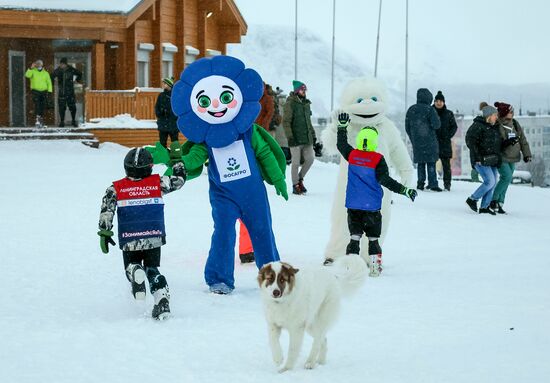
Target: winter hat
{"points": [[367, 139], [488, 110], [439, 96], [63, 60], [168, 81], [503, 109], [482, 105], [297, 85]]}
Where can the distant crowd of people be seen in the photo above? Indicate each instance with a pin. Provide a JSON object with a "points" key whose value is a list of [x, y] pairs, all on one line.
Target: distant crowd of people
{"points": [[495, 139]]}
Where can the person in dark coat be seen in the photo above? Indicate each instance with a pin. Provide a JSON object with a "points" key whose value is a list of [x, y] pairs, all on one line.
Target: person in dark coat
{"points": [[66, 76], [166, 119], [421, 124], [300, 134], [485, 143], [444, 135]]}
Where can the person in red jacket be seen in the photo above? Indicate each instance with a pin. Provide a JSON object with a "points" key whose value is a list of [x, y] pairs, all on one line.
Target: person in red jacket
{"points": [[137, 201]]}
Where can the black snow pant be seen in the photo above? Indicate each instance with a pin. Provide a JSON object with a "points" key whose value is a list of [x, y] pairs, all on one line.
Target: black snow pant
{"points": [[446, 163], [163, 137], [39, 98], [367, 222], [150, 260], [64, 101]]}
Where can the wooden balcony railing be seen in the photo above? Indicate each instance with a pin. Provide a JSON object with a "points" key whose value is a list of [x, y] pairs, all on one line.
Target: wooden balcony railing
{"points": [[139, 103]]}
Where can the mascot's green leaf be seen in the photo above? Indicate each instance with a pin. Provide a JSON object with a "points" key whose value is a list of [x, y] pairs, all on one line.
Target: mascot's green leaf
{"points": [[275, 148]]}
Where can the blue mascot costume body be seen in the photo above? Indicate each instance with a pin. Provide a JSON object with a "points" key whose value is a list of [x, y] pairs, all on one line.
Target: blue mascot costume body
{"points": [[216, 101]]}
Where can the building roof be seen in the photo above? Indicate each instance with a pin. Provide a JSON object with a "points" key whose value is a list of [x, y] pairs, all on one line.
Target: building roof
{"points": [[108, 6]]}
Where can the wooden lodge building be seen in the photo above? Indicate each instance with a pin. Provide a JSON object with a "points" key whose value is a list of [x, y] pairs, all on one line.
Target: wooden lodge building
{"points": [[117, 45]]}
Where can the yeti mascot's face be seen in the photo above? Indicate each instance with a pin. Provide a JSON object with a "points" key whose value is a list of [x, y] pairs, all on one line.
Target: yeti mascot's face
{"points": [[216, 99], [364, 100]]}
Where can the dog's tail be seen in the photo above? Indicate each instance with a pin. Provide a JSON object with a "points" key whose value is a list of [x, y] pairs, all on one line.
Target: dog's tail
{"points": [[351, 272]]}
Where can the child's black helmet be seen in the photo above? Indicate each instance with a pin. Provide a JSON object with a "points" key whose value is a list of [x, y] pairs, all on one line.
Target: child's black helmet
{"points": [[138, 163]]}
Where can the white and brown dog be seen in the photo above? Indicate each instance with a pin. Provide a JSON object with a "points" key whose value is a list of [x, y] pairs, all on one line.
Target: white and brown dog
{"points": [[306, 300]]}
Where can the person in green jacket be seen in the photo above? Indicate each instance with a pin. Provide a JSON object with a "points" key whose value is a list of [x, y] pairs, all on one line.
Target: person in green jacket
{"points": [[514, 145], [41, 85], [300, 134]]}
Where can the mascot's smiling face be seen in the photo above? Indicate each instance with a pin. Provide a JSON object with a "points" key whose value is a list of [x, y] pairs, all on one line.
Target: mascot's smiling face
{"points": [[216, 100], [364, 100], [366, 111]]}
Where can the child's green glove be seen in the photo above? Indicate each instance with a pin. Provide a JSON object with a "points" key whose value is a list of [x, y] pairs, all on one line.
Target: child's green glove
{"points": [[280, 187], [105, 239], [175, 153], [343, 120], [410, 193], [160, 154]]}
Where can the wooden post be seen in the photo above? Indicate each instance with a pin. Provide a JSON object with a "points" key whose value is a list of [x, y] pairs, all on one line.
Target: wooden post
{"points": [[130, 57], [98, 66], [4, 85], [202, 31], [179, 62], [156, 54]]}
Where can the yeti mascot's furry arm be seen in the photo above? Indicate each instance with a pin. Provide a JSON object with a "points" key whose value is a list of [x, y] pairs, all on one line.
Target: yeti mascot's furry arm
{"points": [[216, 101], [365, 100]]}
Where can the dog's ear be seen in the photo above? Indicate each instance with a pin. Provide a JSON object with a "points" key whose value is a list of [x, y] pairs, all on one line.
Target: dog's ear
{"points": [[291, 270], [262, 273]]}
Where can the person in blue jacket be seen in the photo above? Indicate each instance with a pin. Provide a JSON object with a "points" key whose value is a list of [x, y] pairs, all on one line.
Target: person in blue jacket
{"points": [[217, 101], [367, 173]]}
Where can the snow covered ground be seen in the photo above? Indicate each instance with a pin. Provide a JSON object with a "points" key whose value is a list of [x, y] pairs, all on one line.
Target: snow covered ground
{"points": [[463, 298]]}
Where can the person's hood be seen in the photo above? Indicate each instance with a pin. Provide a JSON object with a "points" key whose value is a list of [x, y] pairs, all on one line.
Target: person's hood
{"points": [[424, 96]]}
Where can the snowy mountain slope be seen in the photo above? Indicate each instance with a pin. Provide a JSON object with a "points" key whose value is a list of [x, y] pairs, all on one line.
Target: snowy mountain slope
{"points": [[270, 50], [463, 298]]}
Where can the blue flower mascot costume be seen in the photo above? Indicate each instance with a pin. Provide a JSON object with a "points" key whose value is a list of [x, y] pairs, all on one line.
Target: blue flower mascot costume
{"points": [[216, 101]]}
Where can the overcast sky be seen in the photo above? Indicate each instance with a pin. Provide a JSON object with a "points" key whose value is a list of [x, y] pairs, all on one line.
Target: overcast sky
{"points": [[481, 41]]}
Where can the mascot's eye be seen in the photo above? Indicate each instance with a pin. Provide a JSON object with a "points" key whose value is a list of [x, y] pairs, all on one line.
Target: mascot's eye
{"points": [[226, 97], [374, 98], [359, 100], [204, 101]]}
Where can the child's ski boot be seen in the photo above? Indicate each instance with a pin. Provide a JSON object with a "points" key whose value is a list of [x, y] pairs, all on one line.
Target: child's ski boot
{"points": [[136, 276], [161, 293], [375, 265]]}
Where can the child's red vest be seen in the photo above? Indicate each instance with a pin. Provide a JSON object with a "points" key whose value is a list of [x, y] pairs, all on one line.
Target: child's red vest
{"points": [[363, 191], [140, 209]]}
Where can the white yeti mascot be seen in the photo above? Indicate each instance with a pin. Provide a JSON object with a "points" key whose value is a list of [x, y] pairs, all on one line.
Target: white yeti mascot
{"points": [[364, 99]]}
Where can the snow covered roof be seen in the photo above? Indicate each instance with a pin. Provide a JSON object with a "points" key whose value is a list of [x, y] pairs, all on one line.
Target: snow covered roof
{"points": [[120, 6]]}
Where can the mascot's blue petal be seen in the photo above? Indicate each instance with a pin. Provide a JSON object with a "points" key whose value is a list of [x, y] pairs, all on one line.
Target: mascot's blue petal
{"points": [[246, 117], [198, 70], [221, 135], [227, 66], [192, 127], [217, 135], [251, 85], [181, 94]]}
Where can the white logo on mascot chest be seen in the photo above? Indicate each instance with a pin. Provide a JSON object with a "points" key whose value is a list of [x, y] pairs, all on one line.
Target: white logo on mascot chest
{"points": [[216, 99], [232, 162]]}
